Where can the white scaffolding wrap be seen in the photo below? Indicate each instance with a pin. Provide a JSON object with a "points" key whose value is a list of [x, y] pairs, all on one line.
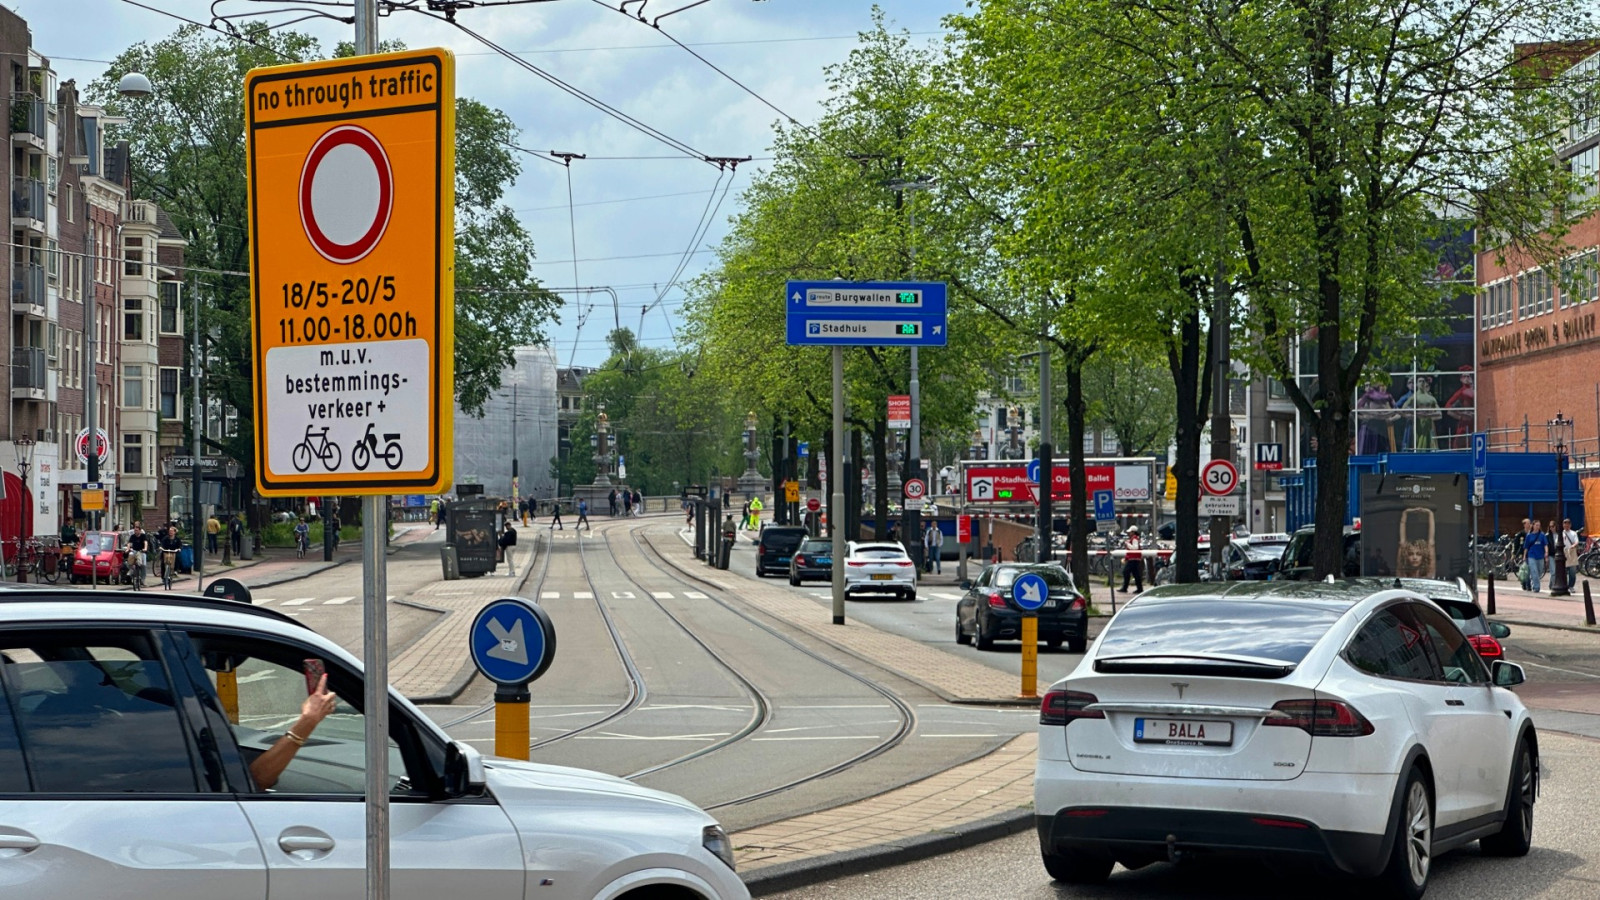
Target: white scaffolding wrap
{"points": [[519, 420]]}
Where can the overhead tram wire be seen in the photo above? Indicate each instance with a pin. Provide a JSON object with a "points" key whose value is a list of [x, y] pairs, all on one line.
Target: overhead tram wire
{"points": [[229, 32], [694, 241]]}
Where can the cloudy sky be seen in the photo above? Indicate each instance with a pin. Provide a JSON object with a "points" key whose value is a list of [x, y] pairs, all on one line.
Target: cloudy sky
{"points": [[635, 215]]}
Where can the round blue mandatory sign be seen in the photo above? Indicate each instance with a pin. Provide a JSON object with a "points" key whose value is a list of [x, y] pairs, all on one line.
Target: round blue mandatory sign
{"points": [[1030, 591], [512, 641]]}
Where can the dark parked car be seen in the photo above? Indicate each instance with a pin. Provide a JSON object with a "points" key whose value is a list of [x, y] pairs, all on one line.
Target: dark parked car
{"points": [[1455, 598], [987, 611], [814, 560], [1295, 564], [774, 548], [1254, 558]]}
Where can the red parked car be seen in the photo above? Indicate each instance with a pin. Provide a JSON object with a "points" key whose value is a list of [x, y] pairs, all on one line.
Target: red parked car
{"points": [[99, 557]]}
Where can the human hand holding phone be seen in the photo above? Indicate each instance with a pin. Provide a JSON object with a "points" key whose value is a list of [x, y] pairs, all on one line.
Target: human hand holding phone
{"points": [[315, 670]]}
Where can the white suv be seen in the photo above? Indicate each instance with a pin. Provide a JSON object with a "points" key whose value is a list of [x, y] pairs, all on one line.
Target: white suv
{"points": [[1348, 724], [130, 725], [879, 568]]}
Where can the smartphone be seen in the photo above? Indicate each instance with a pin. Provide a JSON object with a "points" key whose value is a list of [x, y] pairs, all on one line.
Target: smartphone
{"points": [[314, 669]]}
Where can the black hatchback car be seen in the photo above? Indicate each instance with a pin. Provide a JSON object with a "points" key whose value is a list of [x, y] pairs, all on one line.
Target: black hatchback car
{"points": [[812, 562], [776, 545], [987, 611], [1296, 562]]}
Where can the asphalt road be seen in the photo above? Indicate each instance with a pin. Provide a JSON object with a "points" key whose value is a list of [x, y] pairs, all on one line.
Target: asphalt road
{"points": [[1563, 864]]}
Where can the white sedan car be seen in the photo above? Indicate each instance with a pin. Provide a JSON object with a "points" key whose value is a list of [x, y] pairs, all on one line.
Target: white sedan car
{"points": [[879, 568], [1347, 724]]}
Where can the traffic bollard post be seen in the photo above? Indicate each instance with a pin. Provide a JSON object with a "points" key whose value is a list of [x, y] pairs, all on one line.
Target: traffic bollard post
{"points": [[1588, 605], [512, 730], [1030, 658], [1491, 596]]}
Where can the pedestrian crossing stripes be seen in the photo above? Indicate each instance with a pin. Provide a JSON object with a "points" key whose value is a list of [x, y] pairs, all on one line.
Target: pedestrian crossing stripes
{"points": [[307, 601], [335, 601], [694, 595]]}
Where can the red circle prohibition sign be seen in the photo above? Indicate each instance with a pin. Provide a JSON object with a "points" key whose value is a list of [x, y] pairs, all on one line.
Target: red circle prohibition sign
{"points": [[362, 140]]}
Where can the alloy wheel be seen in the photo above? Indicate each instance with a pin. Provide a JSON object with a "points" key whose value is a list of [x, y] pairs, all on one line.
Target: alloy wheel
{"points": [[1419, 832]]}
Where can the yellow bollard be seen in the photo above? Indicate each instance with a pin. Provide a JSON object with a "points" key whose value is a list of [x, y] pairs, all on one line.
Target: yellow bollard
{"points": [[512, 731], [1030, 658], [228, 693]]}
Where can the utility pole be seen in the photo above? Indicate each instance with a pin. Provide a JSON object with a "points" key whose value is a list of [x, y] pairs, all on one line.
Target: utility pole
{"points": [[196, 424], [911, 519], [91, 402], [1221, 426]]}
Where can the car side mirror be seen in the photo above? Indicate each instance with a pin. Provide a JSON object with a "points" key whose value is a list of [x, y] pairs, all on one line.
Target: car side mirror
{"points": [[1499, 631], [1273, 564], [463, 771], [966, 585], [1507, 674]]}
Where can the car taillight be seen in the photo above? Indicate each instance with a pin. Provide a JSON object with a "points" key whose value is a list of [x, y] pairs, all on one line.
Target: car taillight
{"points": [[799, 560], [1321, 718], [761, 548], [1061, 707], [904, 562], [854, 563], [1077, 604], [996, 600], [1487, 646]]}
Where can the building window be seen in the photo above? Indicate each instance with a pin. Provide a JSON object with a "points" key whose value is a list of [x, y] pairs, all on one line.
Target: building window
{"points": [[52, 260], [169, 307], [133, 256], [133, 454], [169, 393], [1109, 444], [132, 387], [133, 319]]}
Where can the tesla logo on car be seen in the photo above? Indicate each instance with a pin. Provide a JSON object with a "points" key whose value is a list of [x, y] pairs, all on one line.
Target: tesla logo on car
{"points": [[1180, 685]]}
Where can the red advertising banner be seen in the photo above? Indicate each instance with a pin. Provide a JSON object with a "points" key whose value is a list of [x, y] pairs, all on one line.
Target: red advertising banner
{"points": [[963, 529], [899, 411], [1009, 483]]}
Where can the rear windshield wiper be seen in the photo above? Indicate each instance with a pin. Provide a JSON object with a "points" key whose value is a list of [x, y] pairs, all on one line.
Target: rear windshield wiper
{"points": [[1194, 665]]}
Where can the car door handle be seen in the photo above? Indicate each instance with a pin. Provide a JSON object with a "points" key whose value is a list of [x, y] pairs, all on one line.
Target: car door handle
{"points": [[16, 843], [305, 843], [1455, 703]]}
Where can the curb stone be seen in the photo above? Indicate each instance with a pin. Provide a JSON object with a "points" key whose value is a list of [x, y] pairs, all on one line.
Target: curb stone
{"points": [[802, 873]]}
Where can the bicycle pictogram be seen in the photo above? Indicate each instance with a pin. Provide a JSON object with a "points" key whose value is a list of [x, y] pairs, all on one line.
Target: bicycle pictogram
{"points": [[316, 444], [367, 447]]}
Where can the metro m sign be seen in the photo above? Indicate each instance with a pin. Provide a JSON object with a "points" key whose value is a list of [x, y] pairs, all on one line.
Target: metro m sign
{"points": [[1269, 457]]}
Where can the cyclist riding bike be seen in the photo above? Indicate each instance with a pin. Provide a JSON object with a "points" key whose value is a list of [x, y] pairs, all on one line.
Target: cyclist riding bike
{"points": [[137, 556], [302, 538], [170, 545]]}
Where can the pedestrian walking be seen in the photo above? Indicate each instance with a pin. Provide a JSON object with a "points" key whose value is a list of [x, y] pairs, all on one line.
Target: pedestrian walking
{"points": [[1570, 546], [755, 513], [213, 528], [1133, 562], [627, 503], [611, 498], [336, 525], [436, 510], [522, 508], [638, 502], [583, 516], [1519, 552], [932, 547], [508, 539], [1537, 547], [555, 514]]}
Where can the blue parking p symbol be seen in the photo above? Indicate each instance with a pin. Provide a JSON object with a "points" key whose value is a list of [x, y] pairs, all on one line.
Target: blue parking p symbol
{"points": [[814, 327]]}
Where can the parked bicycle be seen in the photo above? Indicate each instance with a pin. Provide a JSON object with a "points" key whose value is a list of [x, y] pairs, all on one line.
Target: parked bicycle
{"points": [[1494, 558], [316, 444], [38, 556]]}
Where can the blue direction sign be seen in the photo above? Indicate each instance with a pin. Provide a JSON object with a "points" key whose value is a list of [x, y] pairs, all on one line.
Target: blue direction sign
{"points": [[1030, 591], [866, 313], [803, 448], [512, 641], [1033, 471], [1480, 454], [1105, 506]]}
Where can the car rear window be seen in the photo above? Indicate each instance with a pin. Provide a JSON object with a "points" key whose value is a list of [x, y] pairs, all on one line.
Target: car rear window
{"points": [[1466, 615], [1263, 552], [1273, 631], [782, 541], [817, 547], [1052, 575]]}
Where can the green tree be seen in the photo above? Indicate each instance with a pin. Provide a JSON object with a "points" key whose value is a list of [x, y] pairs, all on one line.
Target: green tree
{"points": [[188, 155], [1133, 397]]}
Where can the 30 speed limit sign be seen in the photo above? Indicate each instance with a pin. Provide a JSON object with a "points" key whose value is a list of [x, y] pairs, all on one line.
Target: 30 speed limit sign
{"points": [[1219, 477]]}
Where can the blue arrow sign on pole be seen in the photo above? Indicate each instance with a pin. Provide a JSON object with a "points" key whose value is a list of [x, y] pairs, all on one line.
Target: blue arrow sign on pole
{"points": [[1030, 591], [512, 641], [866, 313], [1105, 507], [1033, 471], [1480, 455]]}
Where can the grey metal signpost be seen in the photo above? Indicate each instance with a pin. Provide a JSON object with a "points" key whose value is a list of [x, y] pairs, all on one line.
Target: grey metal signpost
{"points": [[841, 314]]}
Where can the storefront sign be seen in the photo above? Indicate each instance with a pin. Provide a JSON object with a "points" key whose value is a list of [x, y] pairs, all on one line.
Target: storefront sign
{"points": [[1503, 343]]}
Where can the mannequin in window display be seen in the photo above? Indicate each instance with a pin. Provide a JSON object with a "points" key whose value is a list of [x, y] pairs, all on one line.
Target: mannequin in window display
{"points": [[1374, 413], [1460, 409], [1422, 412]]}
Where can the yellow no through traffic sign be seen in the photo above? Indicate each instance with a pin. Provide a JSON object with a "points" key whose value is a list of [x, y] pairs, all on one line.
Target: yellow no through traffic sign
{"points": [[352, 237]]}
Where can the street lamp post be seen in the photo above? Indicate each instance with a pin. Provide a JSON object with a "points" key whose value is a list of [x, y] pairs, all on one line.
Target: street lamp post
{"points": [[1560, 436], [23, 447], [231, 469]]}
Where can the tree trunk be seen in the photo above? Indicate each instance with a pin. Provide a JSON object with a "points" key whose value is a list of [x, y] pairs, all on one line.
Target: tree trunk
{"points": [[1189, 378], [1333, 484], [1077, 507], [880, 479], [852, 489]]}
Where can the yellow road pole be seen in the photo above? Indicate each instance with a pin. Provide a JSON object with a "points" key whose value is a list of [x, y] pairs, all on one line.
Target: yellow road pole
{"points": [[228, 693], [1030, 657], [511, 726]]}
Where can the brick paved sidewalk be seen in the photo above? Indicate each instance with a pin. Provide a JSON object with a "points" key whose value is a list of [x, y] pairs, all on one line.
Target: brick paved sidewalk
{"points": [[1513, 604], [278, 565], [998, 786], [951, 677]]}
